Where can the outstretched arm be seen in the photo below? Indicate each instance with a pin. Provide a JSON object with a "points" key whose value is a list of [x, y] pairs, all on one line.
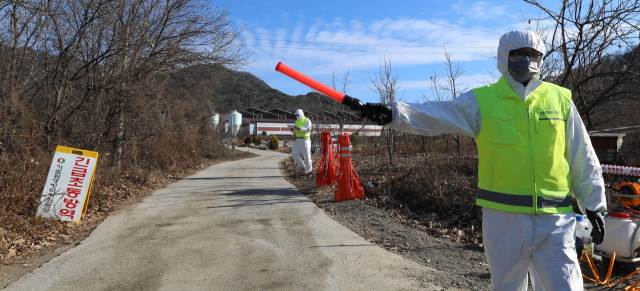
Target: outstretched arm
{"points": [[461, 115]]}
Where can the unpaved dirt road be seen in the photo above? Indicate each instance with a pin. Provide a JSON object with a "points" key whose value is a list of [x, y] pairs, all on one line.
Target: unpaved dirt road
{"points": [[234, 226]]}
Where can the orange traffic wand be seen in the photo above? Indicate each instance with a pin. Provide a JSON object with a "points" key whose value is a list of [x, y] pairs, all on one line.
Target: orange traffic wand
{"points": [[347, 100], [304, 79]]}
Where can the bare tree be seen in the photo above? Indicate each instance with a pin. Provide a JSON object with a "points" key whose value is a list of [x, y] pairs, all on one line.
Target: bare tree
{"points": [[454, 72], [385, 84], [65, 57], [345, 79], [437, 94], [582, 43], [81, 72], [436, 89], [453, 86]]}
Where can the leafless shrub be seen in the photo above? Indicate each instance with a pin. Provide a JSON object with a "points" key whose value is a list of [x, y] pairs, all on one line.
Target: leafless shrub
{"points": [[591, 50], [385, 84], [77, 74]]}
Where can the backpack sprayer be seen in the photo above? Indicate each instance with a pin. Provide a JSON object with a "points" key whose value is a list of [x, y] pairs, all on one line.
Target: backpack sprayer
{"points": [[622, 229]]}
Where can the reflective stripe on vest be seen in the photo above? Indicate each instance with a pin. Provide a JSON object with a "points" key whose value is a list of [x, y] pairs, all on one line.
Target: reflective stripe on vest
{"points": [[523, 200], [521, 149], [299, 134]]}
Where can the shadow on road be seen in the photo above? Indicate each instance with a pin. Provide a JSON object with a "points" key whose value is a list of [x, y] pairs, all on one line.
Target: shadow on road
{"points": [[253, 197], [339, 246]]}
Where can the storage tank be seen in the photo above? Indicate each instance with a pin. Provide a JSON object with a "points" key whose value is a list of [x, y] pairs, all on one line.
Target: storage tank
{"points": [[235, 121], [215, 120], [621, 235]]}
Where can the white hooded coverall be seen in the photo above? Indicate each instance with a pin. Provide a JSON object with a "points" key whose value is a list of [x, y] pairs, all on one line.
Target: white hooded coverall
{"points": [[517, 244], [302, 146]]}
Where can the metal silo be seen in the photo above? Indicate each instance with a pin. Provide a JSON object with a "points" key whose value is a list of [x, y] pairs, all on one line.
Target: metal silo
{"points": [[235, 121], [215, 120]]}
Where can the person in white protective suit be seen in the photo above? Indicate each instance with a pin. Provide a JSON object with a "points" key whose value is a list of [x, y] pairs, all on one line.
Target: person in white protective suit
{"points": [[534, 154], [302, 145]]}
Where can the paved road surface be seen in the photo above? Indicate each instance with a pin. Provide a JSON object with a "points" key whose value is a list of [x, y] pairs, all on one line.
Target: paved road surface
{"points": [[234, 226]]}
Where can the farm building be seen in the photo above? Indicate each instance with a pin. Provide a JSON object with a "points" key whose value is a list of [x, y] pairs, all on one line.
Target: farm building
{"points": [[274, 122]]}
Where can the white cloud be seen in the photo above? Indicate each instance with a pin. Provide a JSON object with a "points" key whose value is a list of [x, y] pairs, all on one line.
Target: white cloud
{"points": [[330, 41], [325, 47], [480, 11]]}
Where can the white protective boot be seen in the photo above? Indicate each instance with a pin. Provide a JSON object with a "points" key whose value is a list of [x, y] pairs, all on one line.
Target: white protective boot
{"points": [[295, 154]]}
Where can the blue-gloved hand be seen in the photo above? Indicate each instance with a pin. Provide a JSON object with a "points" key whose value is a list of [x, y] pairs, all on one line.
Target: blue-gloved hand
{"points": [[597, 221]]}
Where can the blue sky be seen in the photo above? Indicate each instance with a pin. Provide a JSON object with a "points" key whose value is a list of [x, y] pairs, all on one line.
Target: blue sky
{"points": [[321, 37]]}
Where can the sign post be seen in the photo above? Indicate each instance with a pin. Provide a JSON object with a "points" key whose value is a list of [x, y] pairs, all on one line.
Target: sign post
{"points": [[66, 194]]}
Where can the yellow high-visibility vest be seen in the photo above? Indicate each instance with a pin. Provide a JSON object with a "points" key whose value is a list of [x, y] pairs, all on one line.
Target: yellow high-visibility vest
{"points": [[300, 134], [521, 149]]}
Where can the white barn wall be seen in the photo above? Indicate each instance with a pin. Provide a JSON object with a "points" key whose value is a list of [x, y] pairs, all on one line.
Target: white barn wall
{"points": [[279, 127]]}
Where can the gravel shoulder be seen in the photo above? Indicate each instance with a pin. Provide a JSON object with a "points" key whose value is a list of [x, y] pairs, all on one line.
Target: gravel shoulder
{"points": [[464, 265]]}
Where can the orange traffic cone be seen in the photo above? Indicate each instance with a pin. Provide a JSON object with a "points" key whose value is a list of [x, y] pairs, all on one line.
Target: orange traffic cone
{"points": [[327, 171], [348, 180]]}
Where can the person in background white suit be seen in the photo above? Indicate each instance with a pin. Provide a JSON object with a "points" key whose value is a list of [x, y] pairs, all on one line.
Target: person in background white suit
{"points": [[534, 154], [302, 145]]}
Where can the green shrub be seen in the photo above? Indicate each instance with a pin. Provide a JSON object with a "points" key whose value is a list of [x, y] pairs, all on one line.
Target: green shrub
{"points": [[257, 141], [273, 143], [248, 140], [354, 139]]}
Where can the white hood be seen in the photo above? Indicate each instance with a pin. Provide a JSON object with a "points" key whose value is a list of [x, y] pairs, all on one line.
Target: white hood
{"points": [[514, 40], [300, 114]]}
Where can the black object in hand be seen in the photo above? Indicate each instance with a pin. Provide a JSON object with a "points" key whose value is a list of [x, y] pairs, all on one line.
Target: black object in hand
{"points": [[376, 112], [597, 221]]}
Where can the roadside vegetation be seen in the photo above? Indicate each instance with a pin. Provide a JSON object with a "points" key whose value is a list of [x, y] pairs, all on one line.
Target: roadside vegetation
{"points": [[137, 82], [104, 76], [430, 182]]}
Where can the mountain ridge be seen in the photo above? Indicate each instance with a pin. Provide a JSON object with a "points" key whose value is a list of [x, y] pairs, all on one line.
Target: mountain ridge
{"points": [[230, 89]]}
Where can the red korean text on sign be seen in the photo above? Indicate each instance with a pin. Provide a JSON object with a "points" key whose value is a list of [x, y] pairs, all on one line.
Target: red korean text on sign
{"points": [[74, 187]]}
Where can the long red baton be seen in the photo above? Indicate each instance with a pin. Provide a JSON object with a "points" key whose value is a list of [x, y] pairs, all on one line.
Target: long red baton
{"points": [[347, 100]]}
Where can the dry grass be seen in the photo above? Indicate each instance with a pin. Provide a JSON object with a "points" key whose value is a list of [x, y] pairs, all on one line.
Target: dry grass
{"points": [[431, 188], [428, 187], [155, 150], [286, 150], [22, 234]]}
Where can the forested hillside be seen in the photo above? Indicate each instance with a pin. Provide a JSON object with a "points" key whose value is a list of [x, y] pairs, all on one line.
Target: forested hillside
{"points": [[228, 90]]}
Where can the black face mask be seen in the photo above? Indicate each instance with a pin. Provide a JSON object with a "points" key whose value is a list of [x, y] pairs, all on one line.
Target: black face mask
{"points": [[523, 70]]}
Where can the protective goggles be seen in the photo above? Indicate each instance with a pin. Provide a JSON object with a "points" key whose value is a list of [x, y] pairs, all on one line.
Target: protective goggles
{"points": [[520, 55]]}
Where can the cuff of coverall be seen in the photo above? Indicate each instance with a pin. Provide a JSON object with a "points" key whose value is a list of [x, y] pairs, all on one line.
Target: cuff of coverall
{"points": [[396, 121]]}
